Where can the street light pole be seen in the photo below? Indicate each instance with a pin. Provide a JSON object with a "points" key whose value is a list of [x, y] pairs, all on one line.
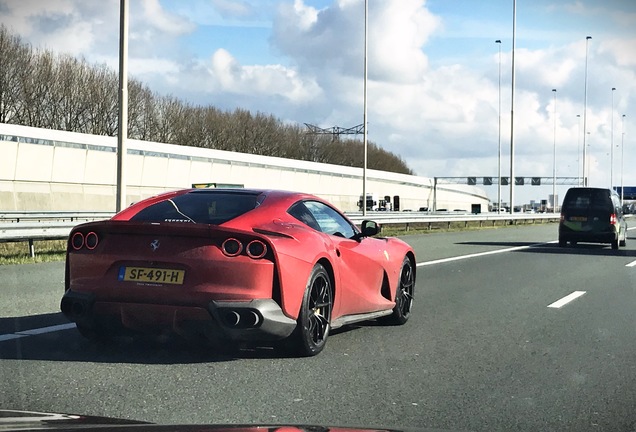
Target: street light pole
{"points": [[512, 111], [122, 125], [554, 197], [580, 174], [612, 143], [587, 176], [364, 169], [498, 42], [622, 153], [585, 180]]}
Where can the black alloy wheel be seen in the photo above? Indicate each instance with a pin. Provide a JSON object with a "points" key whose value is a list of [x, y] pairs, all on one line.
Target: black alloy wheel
{"points": [[404, 294], [314, 320]]}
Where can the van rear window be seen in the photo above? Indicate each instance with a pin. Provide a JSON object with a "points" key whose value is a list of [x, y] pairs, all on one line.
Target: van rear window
{"points": [[588, 199]]}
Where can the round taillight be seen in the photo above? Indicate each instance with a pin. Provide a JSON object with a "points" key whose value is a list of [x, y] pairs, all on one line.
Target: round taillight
{"points": [[77, 241], [91, 240], [256, 249], [232, 247]]}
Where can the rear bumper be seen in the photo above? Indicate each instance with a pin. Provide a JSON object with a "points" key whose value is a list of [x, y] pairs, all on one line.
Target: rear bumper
{"points": [[588, 236], [258, 319]]}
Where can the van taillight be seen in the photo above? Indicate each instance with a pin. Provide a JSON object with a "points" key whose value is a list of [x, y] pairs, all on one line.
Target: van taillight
{"points": [[613, 219]]}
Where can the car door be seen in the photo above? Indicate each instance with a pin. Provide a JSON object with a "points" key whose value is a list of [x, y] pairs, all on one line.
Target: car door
{"points": [[620, 218], [357, 269]]}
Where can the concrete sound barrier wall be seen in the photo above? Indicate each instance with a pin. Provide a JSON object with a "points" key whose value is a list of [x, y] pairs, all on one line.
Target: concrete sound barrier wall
{"points": [[52, 170]]}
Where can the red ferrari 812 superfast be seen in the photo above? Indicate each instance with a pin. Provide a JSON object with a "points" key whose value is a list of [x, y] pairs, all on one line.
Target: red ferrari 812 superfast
{"points": [[235, 265]]}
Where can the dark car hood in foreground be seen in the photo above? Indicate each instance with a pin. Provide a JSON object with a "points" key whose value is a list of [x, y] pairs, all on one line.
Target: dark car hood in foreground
{"points": [[27, 420]]}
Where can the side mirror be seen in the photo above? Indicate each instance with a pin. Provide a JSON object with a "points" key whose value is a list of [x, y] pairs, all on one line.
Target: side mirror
{"points": [[369, 229]]}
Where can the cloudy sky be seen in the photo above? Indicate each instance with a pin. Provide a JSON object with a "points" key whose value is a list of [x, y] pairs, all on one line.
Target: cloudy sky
{"points": [[433, 72]]}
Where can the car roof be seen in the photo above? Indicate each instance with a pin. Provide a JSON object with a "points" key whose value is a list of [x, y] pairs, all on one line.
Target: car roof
{"points": [[275, 198], [590, 189]]}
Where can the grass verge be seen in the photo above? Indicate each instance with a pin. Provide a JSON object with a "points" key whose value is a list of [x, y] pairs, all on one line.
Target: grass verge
{"points": [[55, 250], [45, 251]]}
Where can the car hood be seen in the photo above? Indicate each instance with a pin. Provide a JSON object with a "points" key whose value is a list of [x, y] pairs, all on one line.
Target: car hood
{"points": [[30, 421]]}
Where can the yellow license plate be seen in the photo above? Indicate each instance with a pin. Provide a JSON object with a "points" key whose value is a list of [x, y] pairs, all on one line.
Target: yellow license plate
{"points": [[148, 274]]}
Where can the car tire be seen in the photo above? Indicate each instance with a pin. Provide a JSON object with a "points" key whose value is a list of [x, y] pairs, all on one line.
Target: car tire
{"points": [[562, 242], [623, 242], [615, 244], [314, 320], [404, 295]]}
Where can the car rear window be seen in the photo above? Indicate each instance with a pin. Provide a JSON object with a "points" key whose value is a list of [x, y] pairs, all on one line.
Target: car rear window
{"points": [[588, 199], [208, 207]]}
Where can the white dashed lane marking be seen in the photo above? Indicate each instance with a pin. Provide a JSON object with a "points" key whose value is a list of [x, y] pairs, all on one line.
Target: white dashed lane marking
{"points": [[567, 299], [37, 331]]}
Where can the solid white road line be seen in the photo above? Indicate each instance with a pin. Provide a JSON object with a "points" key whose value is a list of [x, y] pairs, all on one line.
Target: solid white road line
{"points": [[6, 337], [567, 299], [37, 331], [631, 264], [498, 251]]}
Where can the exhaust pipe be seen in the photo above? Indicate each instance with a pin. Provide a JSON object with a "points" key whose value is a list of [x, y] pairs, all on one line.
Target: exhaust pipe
{"points": [[232, 318], [241, 318], [72, 308], [78, 309]]}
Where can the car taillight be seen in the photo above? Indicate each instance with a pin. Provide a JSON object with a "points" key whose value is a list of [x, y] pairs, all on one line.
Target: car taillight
{"points": [[613, 219], [80, 241], [77, 241], [232, 247], [91, 240], [255, 249]]}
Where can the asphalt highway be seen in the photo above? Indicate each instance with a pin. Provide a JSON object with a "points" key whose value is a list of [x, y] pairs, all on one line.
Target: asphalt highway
{"points": [[509, 332]]}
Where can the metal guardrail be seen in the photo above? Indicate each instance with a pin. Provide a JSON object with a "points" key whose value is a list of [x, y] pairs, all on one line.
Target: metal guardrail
{"points": [[417, 219], [21, 216], [32, 226]]}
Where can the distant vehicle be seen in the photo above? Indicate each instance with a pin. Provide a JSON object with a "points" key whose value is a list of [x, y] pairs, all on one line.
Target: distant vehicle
{"points": [[235, 265], [592, 215], [377, 204], [372, 202]]}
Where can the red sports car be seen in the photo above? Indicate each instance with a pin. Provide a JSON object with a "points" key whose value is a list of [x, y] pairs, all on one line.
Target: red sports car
{"points": [[237, 265]]}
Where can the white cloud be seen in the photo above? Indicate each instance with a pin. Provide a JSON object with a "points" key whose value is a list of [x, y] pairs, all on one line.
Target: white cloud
{"points": [[623, 50], [232, 8], [148, 66], [397, 33], [163, 21], [443, 120], [256, 81], [60, 25], [333, 38]]}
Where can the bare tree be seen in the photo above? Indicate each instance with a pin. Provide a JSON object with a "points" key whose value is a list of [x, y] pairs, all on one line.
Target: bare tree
{"points": [[16, 57], [70, 106], [142, 112], [40, 89], [36, 91]]}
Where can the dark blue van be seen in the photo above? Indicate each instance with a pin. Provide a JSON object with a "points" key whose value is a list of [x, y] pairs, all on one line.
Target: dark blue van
{"points": [[592, 215]]}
